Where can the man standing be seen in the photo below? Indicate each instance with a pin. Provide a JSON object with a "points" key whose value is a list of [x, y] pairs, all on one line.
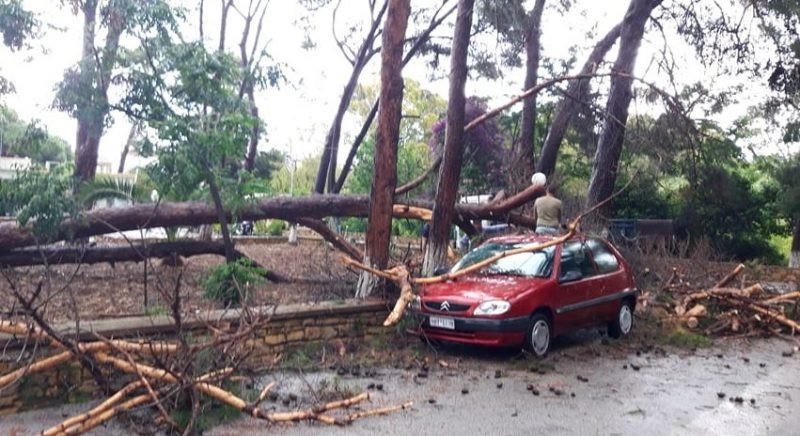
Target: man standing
{"points": [[547, 212]]}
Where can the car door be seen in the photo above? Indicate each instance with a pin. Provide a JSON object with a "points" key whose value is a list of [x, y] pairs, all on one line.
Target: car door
{"points": [[575, 277], [611, 281]]}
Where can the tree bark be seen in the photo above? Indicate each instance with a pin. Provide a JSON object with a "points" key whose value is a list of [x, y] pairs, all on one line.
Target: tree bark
{"points": [[384, 178], [128, 142], [191, 213], [609, 147], [577, 94], [222, 219], [418, 43], [91, 115], [111, 254], [532, 49], [326, 174], [247, 86], [450, 169], [794, 251]]}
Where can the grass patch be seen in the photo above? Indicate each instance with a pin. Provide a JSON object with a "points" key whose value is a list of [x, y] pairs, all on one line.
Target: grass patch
{"points": [[686, 339], [156, 311], [304, 358]]}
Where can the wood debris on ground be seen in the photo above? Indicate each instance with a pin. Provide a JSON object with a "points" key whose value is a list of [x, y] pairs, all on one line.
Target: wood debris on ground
{"points": [[726, 308]]}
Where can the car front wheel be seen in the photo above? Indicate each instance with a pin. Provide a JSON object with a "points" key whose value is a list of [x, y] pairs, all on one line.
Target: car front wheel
{"points": [[537, 341], [623, 323]]}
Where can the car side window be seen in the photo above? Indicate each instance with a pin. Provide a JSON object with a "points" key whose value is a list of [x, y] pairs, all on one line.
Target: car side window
{"points": [[576, 257], [605, 260]]}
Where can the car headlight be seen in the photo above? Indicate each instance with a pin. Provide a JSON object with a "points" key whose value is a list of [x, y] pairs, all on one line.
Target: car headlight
{"points": [[492, 307], [415, 303]]}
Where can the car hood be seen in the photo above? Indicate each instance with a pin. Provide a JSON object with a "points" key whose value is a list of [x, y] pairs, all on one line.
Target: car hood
{"points": [[482, 288]]}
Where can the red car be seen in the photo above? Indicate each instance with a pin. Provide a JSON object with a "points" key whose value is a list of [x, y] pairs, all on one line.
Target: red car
{"points": [[529, 298]]}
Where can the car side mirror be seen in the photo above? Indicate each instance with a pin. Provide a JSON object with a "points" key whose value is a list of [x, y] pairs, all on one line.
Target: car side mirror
{"points": [[441, 270], [570, 276]]}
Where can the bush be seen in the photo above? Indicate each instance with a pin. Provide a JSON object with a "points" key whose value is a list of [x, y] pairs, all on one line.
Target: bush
{"points": [[228, 283]]}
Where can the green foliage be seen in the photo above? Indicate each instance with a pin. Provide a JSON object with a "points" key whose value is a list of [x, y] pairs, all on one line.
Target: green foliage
{"points": [[16, 24], [686, 339], [42, 198], [110, 188], [229, 283], [23, 139], [787, 175], [422, 109], [270, 227], [305, 174]]}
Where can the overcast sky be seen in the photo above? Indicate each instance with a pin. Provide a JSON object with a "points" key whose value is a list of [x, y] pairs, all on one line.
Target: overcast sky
{"points": [[299, 112]]}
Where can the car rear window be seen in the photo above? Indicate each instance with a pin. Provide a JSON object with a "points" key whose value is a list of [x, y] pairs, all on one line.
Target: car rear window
{"points": [[605, 260], [530, 264]]}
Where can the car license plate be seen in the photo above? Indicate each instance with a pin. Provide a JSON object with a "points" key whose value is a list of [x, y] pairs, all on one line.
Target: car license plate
{"points": [[442, 322]]}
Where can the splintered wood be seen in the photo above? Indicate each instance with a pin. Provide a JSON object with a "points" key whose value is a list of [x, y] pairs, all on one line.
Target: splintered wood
{"points": [[725, 310]]}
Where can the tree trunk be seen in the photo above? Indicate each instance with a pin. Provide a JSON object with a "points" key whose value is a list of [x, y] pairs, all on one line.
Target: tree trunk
{"points": [[128, 142], [450, 169], [609, 147], [794, 251], [532, 50], [222, 219], [252, 146], [577, 94], [103, 221], [92, 114], [326, 174], [111, 254], [384, 176], [418, 43]]}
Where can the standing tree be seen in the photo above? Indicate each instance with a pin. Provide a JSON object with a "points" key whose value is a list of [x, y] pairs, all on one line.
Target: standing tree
{"points": [[450, 169], [358, 59], [190, 97], [384, 178], [609, 147], [84, 91], [577, 93], [533, 33]]}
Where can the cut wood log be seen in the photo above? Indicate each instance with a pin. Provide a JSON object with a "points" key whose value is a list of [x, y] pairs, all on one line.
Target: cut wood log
{"points": [[782, 298], [731, 275], [748, 292], [793, 325]]}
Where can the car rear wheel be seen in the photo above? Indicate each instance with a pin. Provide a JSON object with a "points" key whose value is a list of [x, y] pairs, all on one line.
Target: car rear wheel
{"points": [[623, 323], [537, 341]]}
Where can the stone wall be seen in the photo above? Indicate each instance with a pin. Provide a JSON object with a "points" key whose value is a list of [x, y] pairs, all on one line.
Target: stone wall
{"points": [[289, 326]]}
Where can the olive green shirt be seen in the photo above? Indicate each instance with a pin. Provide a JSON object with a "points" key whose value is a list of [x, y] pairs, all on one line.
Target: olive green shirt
{"points": [[548, 211]]}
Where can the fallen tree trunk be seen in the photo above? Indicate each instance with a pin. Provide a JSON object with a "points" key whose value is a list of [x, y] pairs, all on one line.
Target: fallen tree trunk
{"points": [[110, 254], [141, 216], [122, 253]]}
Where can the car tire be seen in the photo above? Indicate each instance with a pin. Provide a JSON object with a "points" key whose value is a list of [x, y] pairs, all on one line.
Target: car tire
{"points": [[622, 324], [539, 335]]}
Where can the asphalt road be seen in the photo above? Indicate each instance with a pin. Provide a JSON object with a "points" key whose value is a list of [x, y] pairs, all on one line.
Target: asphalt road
{"points": [[673, 393]]}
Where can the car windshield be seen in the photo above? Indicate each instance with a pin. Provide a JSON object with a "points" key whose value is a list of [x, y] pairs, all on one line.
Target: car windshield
{"points": [[531, 264]]}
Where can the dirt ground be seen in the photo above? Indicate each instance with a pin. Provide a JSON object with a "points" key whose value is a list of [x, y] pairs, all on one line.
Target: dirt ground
{"points": [[105, 290]]}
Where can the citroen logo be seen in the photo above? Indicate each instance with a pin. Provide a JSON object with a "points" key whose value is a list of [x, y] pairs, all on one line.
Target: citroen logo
{"points": [[445, 306]]}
